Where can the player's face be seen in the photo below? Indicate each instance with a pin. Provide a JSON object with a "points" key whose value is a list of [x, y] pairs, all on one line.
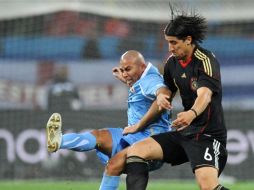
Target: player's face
{"points": [[131, 71], [178, 47]]}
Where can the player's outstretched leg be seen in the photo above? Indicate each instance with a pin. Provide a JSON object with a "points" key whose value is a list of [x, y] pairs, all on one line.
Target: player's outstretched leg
{"points": [[96, 139], [78, 142], [53, 132]]}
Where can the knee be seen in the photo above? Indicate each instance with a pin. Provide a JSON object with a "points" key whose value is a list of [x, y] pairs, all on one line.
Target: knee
{"points": [[132, 151], [146, 149], [98, 136], [135, 150], [113, 168], [95, 133], [101, 135], [205, 186], [207, 178]]}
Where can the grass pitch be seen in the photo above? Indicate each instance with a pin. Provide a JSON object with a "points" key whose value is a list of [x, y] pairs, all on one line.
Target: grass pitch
{"points": [[94, 185]]}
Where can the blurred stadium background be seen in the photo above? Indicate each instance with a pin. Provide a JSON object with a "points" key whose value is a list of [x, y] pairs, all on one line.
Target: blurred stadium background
{"points": [[57, 55]]}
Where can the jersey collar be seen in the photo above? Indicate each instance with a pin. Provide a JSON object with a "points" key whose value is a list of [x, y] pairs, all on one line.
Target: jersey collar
{"points": [[149, 65], [185, 63]]}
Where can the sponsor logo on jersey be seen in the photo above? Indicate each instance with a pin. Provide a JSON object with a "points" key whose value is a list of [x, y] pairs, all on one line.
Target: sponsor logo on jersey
{"points": [[183, 75]]}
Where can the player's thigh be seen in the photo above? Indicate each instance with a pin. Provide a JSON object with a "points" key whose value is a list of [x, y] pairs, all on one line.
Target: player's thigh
{"points": [[206, 152], [170, 143], [148, 149]]}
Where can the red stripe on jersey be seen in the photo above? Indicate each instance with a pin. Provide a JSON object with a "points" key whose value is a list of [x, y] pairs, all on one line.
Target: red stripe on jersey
{"points": [[203, 128]]}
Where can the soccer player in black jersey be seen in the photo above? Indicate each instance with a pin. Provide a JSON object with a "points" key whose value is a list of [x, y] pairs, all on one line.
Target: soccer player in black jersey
{"points": [[200, 135]]}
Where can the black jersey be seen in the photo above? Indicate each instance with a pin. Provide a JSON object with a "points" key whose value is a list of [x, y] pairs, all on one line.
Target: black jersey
{"points": [[203, 70]]}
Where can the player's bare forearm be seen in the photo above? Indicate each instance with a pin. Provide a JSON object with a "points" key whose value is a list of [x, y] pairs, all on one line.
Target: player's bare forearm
{"points": [[151, 115], [166, 91], [185, 118], [202, 100], [154, 111], [164, 98]]}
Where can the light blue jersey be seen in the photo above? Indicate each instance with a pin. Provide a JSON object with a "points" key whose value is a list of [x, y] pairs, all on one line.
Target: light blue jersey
{"points": [[141, 96]]}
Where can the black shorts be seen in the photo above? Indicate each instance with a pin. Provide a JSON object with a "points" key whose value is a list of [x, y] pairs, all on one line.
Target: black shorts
{"points": [[204, 152]]}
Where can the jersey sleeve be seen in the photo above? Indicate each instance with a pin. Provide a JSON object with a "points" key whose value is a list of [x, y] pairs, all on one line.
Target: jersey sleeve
{"points": [[209, 73], [151, 84], [168, 79]]}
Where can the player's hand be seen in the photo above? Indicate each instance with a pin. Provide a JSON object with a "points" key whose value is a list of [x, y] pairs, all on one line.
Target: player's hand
{"points": [[130, 129], [116, 71], [163, 102], [183, 120]]}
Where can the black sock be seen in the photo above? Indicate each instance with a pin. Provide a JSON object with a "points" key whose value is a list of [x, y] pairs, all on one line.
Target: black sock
{"points": [[137, 173], [220, 187]]}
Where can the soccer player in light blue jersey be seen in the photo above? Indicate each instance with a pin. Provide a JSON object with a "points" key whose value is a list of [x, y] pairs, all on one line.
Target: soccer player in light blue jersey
{"points": [[145, 118]]}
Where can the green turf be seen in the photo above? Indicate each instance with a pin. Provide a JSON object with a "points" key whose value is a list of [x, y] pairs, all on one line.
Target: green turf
{"points": [[90, 185]]}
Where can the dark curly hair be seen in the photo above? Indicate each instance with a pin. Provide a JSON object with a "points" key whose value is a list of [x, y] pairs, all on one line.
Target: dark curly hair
{"points": [[182, 26]]}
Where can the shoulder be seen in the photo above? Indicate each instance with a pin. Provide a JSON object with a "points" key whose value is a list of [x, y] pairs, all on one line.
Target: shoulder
{"points": [[205, 57], [150, 72], [207, 61], [202, 54], [170, 59], [151, 78], [170, 63]]}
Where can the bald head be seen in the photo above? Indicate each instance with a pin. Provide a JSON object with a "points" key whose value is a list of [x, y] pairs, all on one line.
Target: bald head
{"points": [[132, 65], [132, 56]]}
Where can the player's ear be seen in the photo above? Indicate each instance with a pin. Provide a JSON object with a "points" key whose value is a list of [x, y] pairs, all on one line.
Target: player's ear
{"points": [[143, 66], [188, 40]]}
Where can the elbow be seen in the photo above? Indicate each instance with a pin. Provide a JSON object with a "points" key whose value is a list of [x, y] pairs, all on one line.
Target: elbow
{"points": [[206, 95], [209, 99]]}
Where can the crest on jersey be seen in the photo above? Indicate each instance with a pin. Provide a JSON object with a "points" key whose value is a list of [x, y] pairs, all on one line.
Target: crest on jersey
{"points": [[132, 89], [194, 84]]}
